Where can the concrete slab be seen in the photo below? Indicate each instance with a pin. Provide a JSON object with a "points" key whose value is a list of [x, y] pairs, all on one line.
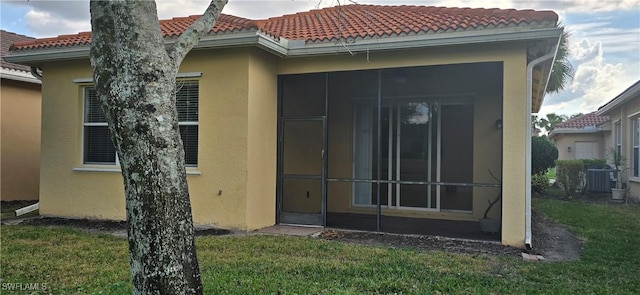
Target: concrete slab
{"points": [[290, 230], [532, 257]]}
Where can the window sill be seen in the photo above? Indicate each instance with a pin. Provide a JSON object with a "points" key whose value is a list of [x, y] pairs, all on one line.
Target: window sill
{"points": [[116, 169], [634, 179]]}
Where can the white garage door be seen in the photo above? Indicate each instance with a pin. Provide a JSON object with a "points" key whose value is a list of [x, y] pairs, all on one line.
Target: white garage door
{"points": [[587, 150]]}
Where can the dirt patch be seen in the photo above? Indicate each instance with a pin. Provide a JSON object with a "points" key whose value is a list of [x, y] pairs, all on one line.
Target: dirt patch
{"points": [[551, 240], [422, 243]]}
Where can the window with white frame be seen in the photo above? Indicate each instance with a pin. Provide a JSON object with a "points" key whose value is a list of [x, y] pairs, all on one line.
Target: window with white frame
{"points": [[98, 147], [635, 123]]}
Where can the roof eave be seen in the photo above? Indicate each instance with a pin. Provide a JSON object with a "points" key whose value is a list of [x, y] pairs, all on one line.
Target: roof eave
{"points": [[35, 57], [18, 75], [291, 48], [426, 40], [576, 131], [623, 97]]}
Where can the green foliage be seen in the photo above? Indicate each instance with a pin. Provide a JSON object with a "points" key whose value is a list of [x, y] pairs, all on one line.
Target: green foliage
{"points": [[616, 159], [570, 176], [543, 154], [556, 192], [539, 183], [551, 173], [562, 71], [594, 163]]}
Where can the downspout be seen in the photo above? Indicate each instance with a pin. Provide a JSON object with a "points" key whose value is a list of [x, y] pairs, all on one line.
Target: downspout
{"points": [[527, 181], [35, 73]]}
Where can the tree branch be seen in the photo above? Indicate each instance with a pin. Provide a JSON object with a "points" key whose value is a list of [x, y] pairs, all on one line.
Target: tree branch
{"points": [[191, 36]]}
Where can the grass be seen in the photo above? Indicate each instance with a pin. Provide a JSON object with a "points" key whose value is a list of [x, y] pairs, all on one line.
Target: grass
{"points": [[71, 262], [551, 173]]}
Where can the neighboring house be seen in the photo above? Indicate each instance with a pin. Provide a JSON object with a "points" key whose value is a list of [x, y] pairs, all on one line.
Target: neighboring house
{"points": [[20, 123], [280, 118], [581, 137], [624, 111]]}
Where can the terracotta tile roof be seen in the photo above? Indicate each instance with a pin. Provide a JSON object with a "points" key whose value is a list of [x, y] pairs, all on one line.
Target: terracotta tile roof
{"points": [[352, 21], [584, 121], [348, 21], [6, 39], [170, 28]]}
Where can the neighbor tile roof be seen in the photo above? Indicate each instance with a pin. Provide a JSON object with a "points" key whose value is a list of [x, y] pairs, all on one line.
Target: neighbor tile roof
{"points": [[581, 122], [347, 21], [8, 38]]}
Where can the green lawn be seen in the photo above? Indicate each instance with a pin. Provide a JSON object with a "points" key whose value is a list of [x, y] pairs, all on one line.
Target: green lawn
{"points": [[71, 262], [551, 173]]}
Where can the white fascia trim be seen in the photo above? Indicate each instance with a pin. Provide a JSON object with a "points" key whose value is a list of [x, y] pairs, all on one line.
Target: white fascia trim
{"points": [[623, 97], [225, 40], [576, 131], [51, 54], [82, 51], [425, 40], [296, 48], [18, 75]]}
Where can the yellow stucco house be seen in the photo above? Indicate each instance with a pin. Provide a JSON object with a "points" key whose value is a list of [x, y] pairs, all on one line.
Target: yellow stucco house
{"points": [[365, 117], [20, 124], [581, 137], [624, 137]]}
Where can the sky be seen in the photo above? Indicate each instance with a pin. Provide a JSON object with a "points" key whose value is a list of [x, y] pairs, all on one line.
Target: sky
{"points": [[604, 42]]}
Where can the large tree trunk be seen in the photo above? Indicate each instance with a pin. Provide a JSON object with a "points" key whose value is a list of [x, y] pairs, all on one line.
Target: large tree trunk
{"points": [[134, 76]]}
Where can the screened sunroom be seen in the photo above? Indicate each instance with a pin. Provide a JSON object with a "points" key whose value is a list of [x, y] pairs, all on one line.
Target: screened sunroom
{"points": [[408, 150]]}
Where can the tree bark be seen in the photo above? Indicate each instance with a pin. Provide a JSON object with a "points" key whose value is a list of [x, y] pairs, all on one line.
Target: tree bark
{"points": [[134, 76]]}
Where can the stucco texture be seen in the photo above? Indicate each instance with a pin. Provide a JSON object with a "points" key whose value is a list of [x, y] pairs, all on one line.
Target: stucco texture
{"points": [[624, 114], [566, 144], [20, 116], [234, 184]]}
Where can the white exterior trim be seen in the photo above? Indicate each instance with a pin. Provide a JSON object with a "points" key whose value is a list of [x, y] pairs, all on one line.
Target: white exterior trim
{"points": [[297, 48], [576, 130], [623, 97], [18, 75]]}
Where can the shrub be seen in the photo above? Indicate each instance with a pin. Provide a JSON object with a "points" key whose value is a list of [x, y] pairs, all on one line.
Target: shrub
{"points": [[539, 183], [543, 154], [594, 163], [570, 176]]}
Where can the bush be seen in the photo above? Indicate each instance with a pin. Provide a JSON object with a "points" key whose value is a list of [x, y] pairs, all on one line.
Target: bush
{"points": [[594, 163], [539, 183], [543, 154], [570, 176]]}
